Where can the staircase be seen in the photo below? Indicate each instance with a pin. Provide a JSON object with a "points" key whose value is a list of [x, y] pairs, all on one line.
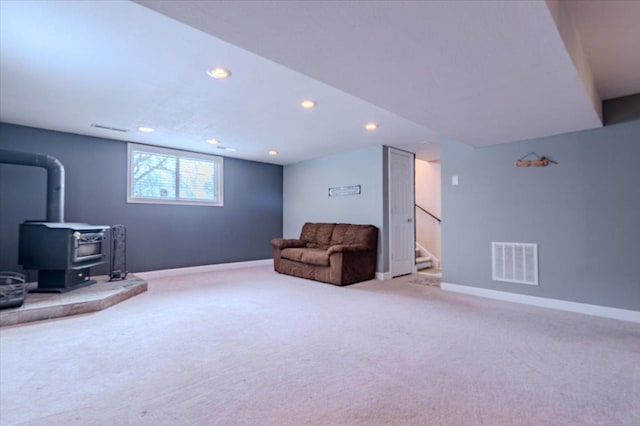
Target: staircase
{"points": [[423, 260]]}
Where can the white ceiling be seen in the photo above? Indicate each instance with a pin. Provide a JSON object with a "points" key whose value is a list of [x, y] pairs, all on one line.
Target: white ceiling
{"points": [[482, 72], [610, 33]]}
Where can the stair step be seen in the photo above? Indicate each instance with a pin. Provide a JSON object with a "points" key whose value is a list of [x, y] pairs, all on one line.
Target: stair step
{"points": [[423, 262]]}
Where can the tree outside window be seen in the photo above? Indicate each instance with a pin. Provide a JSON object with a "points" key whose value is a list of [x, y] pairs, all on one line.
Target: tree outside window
{"points": [[158, 175]]}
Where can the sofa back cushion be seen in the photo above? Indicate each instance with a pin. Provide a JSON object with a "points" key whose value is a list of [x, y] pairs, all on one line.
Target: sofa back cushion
{"points": [[324, 235], [338, 233], [366, 235], [317, 235], [308, 233]]}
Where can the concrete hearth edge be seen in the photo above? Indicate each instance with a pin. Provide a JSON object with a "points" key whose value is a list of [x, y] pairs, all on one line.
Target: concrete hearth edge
{"points": [[93, 298]]}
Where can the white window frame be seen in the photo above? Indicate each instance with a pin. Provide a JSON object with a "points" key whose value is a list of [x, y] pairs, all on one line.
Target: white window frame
{"points": [[219, 185]]}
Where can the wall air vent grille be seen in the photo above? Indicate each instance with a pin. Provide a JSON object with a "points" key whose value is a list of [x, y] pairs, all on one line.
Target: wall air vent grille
{"points": [[515, 262], [115, 129]]}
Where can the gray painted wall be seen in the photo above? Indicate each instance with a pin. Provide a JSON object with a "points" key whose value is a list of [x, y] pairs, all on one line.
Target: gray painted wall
{"points": [[306, 186], [159, 236], [584, 213]]}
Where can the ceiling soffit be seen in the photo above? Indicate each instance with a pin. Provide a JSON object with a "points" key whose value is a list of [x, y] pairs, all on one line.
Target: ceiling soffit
{"points": [[479, 72]]}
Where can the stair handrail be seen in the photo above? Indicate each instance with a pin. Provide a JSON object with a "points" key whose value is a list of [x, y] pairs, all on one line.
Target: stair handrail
{"points": [[429, 213]]}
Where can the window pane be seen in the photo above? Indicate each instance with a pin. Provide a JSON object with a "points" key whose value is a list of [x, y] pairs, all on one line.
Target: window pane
{"points": [[153, 175], [197, 179], [168, 176]]}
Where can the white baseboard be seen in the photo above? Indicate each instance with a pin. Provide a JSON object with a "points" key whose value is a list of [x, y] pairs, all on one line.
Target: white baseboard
{"points": [[563, 305], [383, 276], [203, 268]]}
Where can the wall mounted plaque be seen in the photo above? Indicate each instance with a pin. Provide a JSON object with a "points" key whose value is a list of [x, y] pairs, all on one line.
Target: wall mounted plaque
{"points": [[340, 191]]}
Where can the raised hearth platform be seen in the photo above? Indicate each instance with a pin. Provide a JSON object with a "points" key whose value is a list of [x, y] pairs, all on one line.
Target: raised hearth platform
{"points": [[96, 297]]}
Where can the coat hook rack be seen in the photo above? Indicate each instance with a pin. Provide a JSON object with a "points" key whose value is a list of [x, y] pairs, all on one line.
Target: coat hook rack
{"points": [[538, 161]]}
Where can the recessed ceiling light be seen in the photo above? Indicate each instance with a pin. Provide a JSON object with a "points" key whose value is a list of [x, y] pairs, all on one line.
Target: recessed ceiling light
{"points": [[146, 129], [213, 141], [371, 126], [273, 152], [219, 72], [308, 104]]}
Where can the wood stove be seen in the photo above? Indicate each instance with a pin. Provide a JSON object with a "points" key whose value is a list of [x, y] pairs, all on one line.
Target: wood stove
{"points": [[62, 253]]}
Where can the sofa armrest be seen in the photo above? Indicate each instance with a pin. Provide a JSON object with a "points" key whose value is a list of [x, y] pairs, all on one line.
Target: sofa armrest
{"points": [[281, 243], [341, 248]]}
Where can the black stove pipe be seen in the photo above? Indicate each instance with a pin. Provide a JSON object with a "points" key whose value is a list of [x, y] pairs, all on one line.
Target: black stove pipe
{"points": [[55, 178]]}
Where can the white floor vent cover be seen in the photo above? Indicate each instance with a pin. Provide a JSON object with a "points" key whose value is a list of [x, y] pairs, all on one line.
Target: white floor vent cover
{"points": [[515, 262]]}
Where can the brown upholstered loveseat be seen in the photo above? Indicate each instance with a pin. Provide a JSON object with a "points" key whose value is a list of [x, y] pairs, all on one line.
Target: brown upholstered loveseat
{"points": [[339, 254]]}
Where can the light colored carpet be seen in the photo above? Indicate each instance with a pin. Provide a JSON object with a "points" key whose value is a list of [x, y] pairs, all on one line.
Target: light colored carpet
{"points": [[251, 347]]}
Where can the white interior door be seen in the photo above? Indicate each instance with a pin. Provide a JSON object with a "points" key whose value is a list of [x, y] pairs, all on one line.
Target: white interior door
{"points": [[401, 213]]}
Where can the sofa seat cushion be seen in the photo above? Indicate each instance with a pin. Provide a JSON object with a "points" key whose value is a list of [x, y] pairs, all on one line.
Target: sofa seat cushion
{"points": [[311, 256], [292, 254], [317, 257]]}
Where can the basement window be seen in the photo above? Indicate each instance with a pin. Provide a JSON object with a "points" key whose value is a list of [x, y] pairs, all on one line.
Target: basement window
{"points": [[168, 176]]}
